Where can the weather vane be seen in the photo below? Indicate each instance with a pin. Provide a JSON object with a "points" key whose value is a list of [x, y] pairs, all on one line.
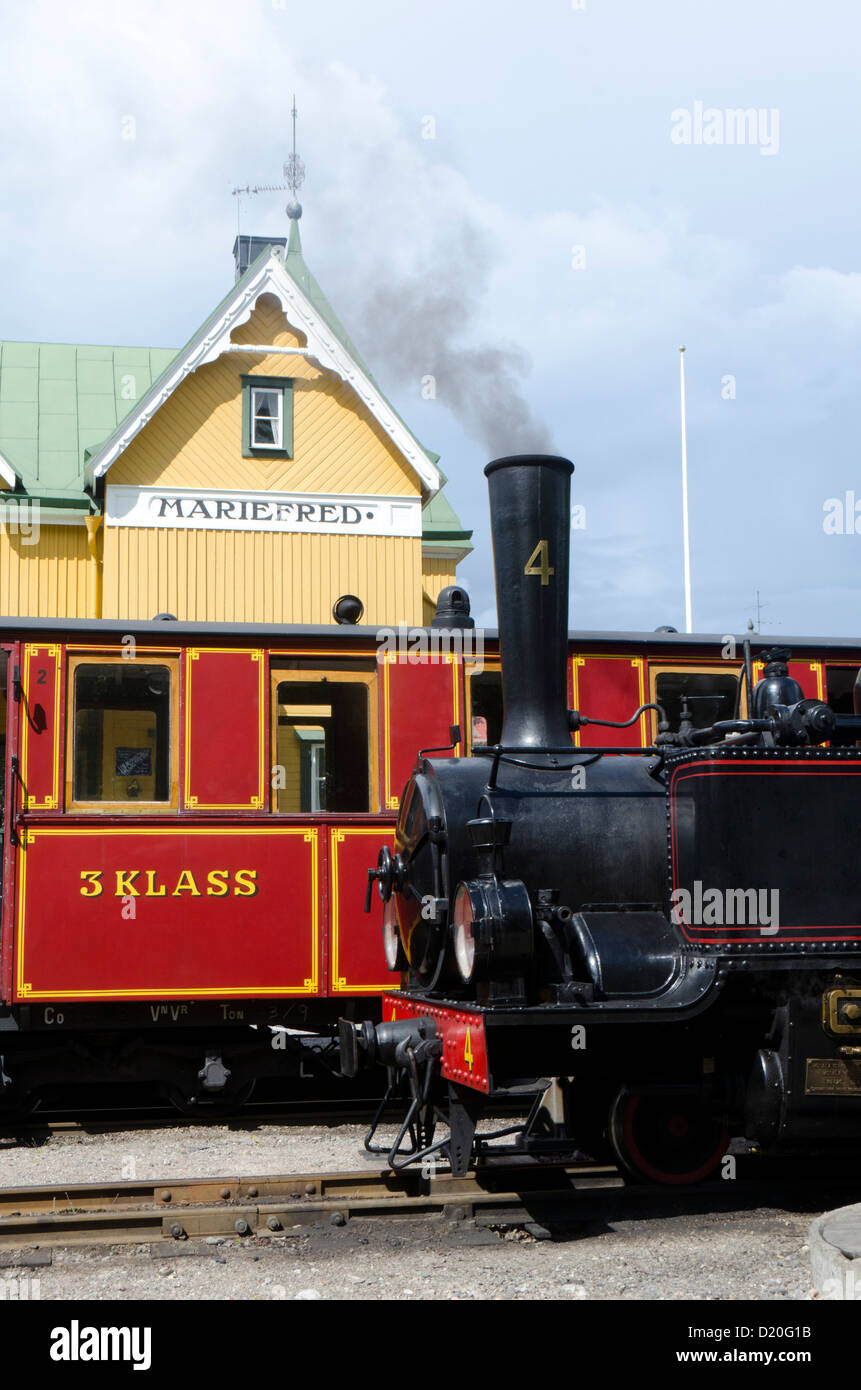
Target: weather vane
{"points": [[294, 173]]}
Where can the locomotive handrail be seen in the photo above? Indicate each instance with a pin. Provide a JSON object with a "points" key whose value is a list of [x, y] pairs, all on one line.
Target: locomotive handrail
{"points": [[499, 751], [13, 810], [583, 719], [456, 737], [732, 726]]}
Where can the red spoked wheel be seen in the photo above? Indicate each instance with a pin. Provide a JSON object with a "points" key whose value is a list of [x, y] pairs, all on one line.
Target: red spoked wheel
{"points": [[666, 1138]]}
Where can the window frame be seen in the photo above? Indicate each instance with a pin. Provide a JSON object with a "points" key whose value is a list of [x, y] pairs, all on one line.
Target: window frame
{"points": [[491, 665], [302, 676], [694, 668], [827, 666], [110, 658], [277, 419], [284, 387]]}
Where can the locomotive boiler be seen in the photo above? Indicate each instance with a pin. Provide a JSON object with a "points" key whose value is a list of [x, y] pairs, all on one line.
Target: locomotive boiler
{"points": [[663, 944]]}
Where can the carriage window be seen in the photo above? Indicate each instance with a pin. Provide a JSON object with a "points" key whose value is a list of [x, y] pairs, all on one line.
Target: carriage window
{"points": [[323, 745], [485, 699], [843, 694], [710, 696], [841, 688], [121, 723]]}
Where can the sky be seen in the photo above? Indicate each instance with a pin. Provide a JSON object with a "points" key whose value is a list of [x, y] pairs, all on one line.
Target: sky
{"points": [[534, 205]]}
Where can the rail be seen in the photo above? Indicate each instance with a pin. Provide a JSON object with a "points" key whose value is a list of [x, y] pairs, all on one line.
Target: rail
{"points": [[176, 1210]]}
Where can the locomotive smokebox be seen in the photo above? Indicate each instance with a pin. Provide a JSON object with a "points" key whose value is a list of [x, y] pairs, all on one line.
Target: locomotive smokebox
{"points": [[530, 507]]}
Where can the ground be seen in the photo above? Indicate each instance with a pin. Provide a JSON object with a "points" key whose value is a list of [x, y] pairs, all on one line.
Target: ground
{"points": [[618, 1246]]}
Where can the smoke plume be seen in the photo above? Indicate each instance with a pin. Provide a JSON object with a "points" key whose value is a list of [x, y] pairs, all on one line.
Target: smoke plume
{"points": [[418, 324]]}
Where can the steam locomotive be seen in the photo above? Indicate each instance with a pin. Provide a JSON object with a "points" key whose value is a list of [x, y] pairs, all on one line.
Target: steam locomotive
{"points": [[663, 945]]}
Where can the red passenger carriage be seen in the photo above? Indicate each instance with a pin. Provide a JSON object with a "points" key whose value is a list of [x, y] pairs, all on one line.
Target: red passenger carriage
{"points": [[190, 811]]}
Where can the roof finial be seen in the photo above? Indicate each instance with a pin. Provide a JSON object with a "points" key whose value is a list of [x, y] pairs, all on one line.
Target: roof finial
{"points": [[294, 173]]}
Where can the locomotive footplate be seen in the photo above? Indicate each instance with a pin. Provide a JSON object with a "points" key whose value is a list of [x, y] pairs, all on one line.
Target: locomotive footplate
{"points": [[489, 1049]]}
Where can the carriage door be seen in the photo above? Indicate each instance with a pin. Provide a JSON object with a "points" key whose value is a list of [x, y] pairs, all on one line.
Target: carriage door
{"points": [[325, 753], [8, 661], [10, 789]]}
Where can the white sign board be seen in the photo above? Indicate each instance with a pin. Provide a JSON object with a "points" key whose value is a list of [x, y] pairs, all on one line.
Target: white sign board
{"points": [[306, 513]]}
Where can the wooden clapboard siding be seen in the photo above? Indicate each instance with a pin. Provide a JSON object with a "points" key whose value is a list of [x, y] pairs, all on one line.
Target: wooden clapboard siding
{"points": [[436, 574], [258, 576], [51, 577]]}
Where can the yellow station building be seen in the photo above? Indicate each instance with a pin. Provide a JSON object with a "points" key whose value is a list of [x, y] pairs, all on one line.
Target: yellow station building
{"points": [[255, 475]]}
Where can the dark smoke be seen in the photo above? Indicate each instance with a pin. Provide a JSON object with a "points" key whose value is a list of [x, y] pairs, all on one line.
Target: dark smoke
{"points": [[414, 324]]}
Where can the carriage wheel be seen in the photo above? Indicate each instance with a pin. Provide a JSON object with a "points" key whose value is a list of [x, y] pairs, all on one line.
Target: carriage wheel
{"points": [[666, 1138]]}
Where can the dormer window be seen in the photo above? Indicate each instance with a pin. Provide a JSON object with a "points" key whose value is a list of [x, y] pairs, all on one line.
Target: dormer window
{"points": [[267, 417]]}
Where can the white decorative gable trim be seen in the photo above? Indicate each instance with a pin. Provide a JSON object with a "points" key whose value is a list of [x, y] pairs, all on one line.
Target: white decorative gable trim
{"points": [[323, 348], [7, 473]]}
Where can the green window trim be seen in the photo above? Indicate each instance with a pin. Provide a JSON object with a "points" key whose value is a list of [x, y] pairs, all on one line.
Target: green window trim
{"points": [[268, 383]]}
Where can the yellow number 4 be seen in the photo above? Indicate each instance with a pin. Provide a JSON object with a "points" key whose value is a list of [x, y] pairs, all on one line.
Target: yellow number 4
{"points": [[468, 1055], [539, 563]]}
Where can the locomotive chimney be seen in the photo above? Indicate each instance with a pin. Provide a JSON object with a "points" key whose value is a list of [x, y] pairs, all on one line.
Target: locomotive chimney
{"points": [[530, 506]]}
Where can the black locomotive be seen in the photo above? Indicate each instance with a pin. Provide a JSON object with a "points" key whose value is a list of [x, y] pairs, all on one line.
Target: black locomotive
{"points": [[666, 945]]}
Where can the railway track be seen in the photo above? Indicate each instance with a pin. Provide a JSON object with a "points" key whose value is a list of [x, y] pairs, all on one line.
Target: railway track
{"points": [[507, 1193], [503, 1191]]}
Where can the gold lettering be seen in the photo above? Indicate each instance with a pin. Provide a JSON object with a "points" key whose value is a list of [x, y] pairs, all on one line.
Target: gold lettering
{"points": [[217, 880], [91, 886], [245, 883], [186, 884], [151, 890]]}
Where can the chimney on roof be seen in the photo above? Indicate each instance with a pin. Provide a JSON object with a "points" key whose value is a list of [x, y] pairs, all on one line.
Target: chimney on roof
{"points": [[247, 248]]}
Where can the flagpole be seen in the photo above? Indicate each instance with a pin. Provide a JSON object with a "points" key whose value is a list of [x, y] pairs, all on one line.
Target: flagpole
{"points": [[685, 527]]}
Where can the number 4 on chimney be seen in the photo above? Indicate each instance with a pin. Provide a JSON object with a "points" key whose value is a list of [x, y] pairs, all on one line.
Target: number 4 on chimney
{"points": [[539, 563]]}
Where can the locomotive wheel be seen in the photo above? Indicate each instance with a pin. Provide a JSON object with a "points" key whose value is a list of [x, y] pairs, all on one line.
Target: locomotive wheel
{"points": [[666, 1138]]}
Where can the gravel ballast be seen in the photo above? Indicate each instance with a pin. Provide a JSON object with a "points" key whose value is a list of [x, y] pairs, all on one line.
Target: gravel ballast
{"points": [[673, 1248]]}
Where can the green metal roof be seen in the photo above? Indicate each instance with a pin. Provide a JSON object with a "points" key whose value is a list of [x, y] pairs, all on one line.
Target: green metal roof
{"points": [[441, 523], [59, 402], [56, 399]]}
